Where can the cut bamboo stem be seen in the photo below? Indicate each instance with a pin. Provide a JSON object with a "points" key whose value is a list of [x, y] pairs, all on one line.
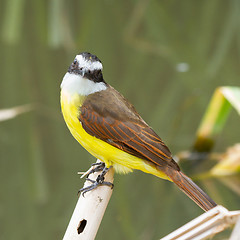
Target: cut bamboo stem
{"points": [[206, 225], [89, 210], [236, 231]]}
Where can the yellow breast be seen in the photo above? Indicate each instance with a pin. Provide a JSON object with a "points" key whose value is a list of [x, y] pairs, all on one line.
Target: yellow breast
{"points": [[112, 156]]}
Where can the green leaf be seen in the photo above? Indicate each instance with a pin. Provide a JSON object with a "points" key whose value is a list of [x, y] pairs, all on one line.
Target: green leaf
{"points": [[224, 98]]}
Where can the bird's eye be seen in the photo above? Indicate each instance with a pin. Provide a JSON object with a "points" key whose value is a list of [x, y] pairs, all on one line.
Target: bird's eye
{"points": [[81, 68]]}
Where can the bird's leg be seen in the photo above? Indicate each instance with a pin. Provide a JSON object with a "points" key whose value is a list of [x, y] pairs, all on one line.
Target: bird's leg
{"points": [[95, 167], [99, 180]]}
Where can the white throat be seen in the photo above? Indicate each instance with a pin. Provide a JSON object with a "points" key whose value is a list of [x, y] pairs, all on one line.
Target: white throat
{"points": [[73, 83]]}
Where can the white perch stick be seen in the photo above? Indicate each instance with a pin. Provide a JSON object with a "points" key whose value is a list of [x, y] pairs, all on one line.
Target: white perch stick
{"points": [[89, 210]]}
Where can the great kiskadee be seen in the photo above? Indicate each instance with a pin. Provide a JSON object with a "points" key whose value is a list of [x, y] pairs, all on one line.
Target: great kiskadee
{"points": [[110, 128]]}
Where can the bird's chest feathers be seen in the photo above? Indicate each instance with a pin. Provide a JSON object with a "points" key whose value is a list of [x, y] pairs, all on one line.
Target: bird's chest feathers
{"points": [[71, 109]]}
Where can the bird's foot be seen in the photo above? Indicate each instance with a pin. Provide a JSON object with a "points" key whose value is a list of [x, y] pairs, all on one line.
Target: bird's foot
{"points": [[95, 167], [99, 180]]}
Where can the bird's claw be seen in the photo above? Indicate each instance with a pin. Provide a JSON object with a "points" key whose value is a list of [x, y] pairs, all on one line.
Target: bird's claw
{"points": [[99, 180]]}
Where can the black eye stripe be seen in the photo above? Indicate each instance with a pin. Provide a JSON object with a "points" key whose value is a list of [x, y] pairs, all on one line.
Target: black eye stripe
{"points": [[95, 75]]}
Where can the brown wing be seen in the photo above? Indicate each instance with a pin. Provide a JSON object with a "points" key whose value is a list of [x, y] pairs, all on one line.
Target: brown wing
{"points": [[117, 123]]}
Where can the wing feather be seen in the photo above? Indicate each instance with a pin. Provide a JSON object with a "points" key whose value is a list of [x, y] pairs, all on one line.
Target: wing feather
{"points": [[134, 137]]}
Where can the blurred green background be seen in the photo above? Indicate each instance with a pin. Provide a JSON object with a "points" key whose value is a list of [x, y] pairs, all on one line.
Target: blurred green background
{"points": [[166, 57]]}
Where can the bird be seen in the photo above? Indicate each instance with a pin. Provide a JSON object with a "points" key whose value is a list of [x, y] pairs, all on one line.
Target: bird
{"points": [[108, 126]]}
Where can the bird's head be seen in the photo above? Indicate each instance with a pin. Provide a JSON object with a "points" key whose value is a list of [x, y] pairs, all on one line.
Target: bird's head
{"points": [[84, 76], [88, 66]]}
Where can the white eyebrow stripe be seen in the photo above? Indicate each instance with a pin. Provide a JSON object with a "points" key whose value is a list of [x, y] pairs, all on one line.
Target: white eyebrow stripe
{"points": [[88, 64]]}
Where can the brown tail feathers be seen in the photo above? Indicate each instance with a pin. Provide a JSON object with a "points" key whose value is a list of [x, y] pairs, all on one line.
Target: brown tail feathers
{"points": [[191, 189]]}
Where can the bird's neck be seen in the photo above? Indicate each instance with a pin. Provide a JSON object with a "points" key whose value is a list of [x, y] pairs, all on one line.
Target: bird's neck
{"points": [[75, 84]]}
